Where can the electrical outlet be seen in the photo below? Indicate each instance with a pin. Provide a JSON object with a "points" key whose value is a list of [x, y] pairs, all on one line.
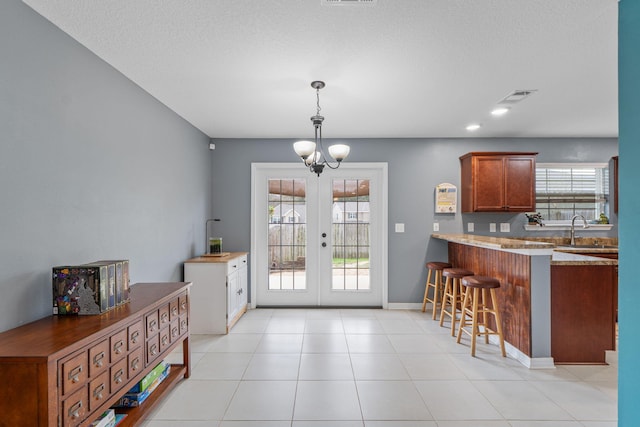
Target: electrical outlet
{"points": [[436, 226], [399, 228], [492, 227], [470, 227], [505, 227]]}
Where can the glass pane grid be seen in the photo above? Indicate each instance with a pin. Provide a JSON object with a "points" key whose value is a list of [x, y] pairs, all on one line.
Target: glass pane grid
{"points": [[350, 235], [287, 240]]}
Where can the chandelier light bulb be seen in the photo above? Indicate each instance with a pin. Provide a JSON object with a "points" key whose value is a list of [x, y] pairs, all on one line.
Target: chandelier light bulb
{"points": [[304, 149], [339, 151]]}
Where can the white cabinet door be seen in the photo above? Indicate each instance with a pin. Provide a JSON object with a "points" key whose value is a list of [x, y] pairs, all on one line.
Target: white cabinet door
{"points": [[232, 297], [242, 286]]}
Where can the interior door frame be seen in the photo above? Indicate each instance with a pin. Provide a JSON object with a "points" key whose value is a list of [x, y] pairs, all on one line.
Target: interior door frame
{"points": [[294, 167]]}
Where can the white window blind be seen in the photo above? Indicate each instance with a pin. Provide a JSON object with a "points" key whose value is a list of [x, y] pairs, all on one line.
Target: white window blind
{"points": [[566, 190]]}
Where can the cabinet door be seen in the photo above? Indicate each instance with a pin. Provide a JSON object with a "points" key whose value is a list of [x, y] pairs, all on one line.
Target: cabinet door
{"points": [[520, 184], [242, 286], [488, 184], [232, 296]]}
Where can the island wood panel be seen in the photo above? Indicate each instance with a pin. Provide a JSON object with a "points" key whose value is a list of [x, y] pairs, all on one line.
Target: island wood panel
{"points": [[583, 308], [514, 296]]}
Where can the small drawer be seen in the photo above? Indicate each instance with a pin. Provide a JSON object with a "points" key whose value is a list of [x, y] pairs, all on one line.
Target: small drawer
{"points": [[165, 338], [183, 304], [74, 373], [74, 408], [136, 362], [118, 375], [236, 264], [152, 324], [153, 349], [135, 333], [118, 345], [98, 390], [98, 358], [163, 314], [174, 309], [174, 330], [184, 324]]}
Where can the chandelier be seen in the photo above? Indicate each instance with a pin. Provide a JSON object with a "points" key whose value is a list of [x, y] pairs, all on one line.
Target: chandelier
{"points": [[311, 152]]}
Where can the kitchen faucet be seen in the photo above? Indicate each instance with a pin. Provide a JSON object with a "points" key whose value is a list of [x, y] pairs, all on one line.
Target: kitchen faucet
{"points": [[573, 227]]}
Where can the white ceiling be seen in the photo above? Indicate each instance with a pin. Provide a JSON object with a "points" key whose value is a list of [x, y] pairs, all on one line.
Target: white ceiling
{"points": [[393, 68]]}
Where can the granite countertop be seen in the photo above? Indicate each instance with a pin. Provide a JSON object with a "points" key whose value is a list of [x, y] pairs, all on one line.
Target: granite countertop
{"points": [[563, 255], [493, 242], [564, 258]]}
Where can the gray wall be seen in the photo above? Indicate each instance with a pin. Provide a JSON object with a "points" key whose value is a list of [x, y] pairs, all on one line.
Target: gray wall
{"points": [[416, 166], [91, 167]]}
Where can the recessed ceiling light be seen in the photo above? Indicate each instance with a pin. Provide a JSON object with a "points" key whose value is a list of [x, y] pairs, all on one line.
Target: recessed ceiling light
{"points": [[473, 127], [499, 111]]}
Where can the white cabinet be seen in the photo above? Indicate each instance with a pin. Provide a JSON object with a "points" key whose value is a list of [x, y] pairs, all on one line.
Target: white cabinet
{"points": [[218, 293]]}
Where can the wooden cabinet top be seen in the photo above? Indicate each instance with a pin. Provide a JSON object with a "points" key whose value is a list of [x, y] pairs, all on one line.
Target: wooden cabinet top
{"points": [[47, 337], [497, 153], [217, 259]]}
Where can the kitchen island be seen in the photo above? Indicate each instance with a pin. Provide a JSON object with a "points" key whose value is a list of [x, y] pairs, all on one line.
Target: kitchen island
{"points": [[529, 294]]}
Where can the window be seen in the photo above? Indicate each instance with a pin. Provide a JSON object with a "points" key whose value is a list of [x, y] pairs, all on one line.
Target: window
{"points": [[564, 190]]}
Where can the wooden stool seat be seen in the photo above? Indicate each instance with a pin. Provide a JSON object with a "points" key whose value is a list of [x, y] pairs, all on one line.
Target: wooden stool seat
{"points": [[435, 269], [452, 295], [479, 290]]}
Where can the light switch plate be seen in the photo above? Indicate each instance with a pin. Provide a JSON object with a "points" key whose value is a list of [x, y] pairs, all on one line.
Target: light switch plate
{"points": [[399, 228], [436, 226], [492, 227], [505, 227], [470, 227]]}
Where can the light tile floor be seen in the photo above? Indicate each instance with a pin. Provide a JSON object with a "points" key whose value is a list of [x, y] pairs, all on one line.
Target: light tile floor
{"points": [[374, 368]]}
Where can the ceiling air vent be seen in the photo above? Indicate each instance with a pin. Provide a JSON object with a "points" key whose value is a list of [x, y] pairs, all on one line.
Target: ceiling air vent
{"points": [[516, 96], [348, 2]]}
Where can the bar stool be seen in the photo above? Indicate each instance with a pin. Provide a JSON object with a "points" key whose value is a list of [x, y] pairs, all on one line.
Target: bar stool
{"points": [[452, 294], [478, 291], [435, 269]]}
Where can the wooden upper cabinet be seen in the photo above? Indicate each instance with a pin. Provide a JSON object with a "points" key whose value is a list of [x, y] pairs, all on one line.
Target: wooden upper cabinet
{"points": [[615, 183], [498, 182]]}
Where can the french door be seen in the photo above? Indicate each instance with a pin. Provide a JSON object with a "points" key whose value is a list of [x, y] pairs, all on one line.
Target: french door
{"points": [[319, 241]]}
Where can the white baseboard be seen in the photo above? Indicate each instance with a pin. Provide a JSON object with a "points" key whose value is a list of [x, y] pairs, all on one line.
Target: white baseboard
{"points": [[529, 362], [404, 306]]}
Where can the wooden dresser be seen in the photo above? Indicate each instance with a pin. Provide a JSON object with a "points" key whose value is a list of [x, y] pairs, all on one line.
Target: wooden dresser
{"points": [[67, 370]]}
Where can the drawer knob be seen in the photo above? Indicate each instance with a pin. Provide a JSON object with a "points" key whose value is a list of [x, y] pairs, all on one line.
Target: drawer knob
{"points": [[74, 411], [134, 337], [164, 318], [97, 392], [152, 325], [74, 374], [165, 340], [98, 359], [117, 378], [117, 347], [153, 350], [175, 332], [135, 364]]}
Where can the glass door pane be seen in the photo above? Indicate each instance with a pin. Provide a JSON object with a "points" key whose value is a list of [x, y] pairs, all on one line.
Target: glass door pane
{"points": [[287, 234], [350, 235]]}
